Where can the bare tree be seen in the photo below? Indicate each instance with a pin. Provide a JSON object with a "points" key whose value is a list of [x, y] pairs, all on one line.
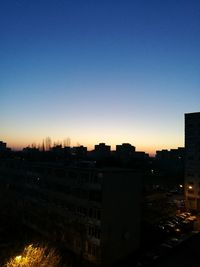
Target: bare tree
{"points": [[43, 146], [48, 143], [67, 142], [35, 257], [33, 145]]}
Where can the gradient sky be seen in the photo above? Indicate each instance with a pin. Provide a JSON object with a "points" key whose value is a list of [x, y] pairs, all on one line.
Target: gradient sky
{"points": [[99, 71]]}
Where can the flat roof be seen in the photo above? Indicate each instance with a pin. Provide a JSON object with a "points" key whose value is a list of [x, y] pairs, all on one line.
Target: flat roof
{"points": [[193, 113]]}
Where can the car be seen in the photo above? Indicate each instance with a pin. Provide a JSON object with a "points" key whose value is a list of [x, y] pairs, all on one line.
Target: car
{"points": [[186, 214], [178, 219], [170, 223], [174, 221], [174, 240], [192, 218], [181, 216], [166, 245]]}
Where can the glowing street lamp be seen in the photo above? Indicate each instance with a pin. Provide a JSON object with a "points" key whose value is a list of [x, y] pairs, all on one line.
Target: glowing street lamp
{"points": [[18, 258]]}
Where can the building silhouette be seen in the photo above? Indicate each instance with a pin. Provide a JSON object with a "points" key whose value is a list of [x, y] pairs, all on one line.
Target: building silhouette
{"points": [[192, 160], [80, 152], [93, 212], [3, 146], [172, 154], [125, 150], [101, 151]]}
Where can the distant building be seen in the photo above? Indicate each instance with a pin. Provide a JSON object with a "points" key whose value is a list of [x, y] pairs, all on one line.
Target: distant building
{"points": [[169, 166], [3, 146], [102, 151], [172, 154], [192, 161], [30, 149], [140, 155], [79, 151], [57, 149], [125, 150]]}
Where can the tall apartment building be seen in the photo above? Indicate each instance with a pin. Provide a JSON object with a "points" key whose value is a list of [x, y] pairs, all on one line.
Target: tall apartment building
{"points": [[192, 160], [108, 206], [94, 212]]}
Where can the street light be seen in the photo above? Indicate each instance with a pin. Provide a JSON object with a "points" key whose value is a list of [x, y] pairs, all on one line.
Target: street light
{"points": [[18, 258]]}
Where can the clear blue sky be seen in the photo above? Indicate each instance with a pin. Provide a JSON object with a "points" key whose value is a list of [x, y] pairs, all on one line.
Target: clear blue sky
{"points": [[99, 71]]}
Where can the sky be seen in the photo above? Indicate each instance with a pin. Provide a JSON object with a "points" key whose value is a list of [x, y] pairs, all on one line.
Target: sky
{"points": [[110, 71]]}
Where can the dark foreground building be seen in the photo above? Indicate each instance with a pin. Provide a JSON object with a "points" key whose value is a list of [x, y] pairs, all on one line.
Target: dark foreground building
{"points": [[192, 160], [93, 212]]}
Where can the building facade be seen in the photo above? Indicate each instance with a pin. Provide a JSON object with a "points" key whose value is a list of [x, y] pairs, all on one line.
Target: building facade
{"points": [[192, 160], [125, 150], [94, 212], [102, 151]]}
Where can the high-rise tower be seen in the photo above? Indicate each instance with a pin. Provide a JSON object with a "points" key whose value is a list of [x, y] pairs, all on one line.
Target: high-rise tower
{"points": [[192, 160]]}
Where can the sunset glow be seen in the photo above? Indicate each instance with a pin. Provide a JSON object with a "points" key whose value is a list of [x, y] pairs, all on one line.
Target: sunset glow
{"points": [[102, 71]]}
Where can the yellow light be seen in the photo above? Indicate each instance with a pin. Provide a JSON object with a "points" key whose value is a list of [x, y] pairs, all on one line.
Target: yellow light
{"points": [[181, 186], [18, 258], [190, 187]]}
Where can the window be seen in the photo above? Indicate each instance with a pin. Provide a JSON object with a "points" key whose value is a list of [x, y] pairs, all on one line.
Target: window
{"points": [[98, 214], [60, 173], [94, 250], [191, 192], [191, 199], [95, 213], [96, 178], [80, 193], [72, 175], [94, 231], [85, 177], [95, 195], [77, 243], [91, 249], [82, 211]]}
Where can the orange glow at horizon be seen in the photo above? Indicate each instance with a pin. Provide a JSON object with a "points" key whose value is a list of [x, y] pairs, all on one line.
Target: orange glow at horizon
{"points": [[18, 144]]}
